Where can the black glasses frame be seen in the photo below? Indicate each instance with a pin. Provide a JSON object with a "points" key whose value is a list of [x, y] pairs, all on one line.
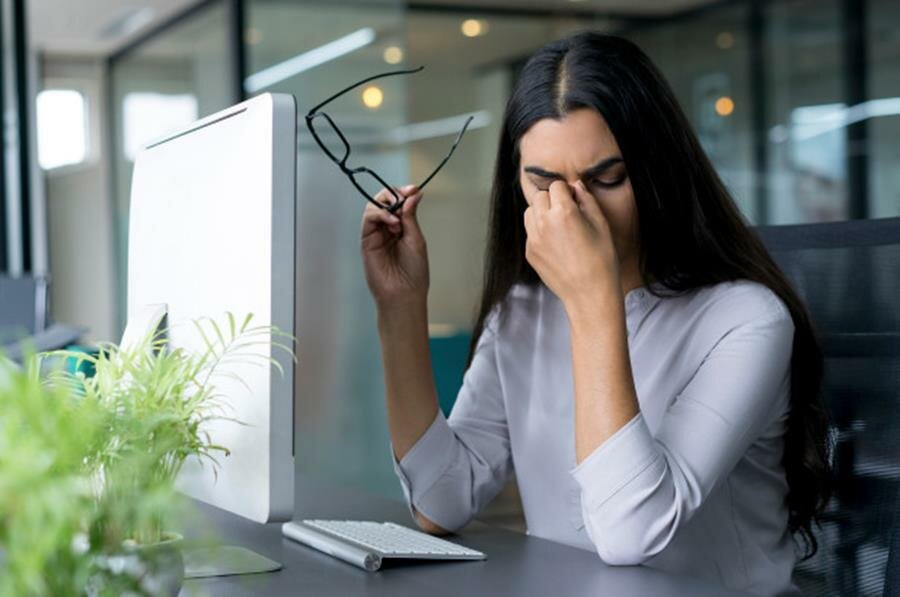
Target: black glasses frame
{"points": [[352, 173]]}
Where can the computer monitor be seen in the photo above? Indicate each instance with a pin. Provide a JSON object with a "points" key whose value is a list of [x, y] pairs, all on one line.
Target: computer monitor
{"points": [[212, 229]]}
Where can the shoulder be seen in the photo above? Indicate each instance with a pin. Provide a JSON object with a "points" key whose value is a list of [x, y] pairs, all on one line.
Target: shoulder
{"points": [[746, 300], [727, 306]]}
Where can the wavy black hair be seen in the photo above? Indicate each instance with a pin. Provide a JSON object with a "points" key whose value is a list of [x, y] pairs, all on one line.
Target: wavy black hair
{"points": [[691, 232]]}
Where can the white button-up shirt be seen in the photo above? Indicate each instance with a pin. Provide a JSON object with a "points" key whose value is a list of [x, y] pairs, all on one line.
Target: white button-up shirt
{"points": [[692, 484]]}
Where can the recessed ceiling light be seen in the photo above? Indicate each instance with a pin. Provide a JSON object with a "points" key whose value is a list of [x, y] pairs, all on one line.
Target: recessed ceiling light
{"points": [[725, 40], [474, 27], [393, 55], [724, 106], [372, 96]]}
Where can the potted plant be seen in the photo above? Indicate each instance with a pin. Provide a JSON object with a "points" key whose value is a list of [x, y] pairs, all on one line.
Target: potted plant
{"points": [[144, 409], [45, 492], [159, 399]]}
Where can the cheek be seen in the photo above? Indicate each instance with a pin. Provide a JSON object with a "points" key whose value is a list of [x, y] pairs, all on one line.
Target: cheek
{"points": [[619, 209]]}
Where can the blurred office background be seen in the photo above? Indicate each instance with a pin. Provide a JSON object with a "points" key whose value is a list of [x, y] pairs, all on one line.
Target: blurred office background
{"points": [[796, 101]]}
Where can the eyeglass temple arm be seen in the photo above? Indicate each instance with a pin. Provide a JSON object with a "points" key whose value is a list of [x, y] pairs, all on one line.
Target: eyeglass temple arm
{"points": [[364, 81], [398, 204], [452, 149]]}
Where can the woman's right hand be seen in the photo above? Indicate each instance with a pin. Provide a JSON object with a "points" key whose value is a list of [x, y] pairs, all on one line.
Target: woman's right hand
{"points": [[393, 249]]}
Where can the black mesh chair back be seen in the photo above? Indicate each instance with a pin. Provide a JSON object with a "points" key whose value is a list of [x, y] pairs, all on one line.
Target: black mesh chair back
{"points": [[892, 574], [849, 275]]}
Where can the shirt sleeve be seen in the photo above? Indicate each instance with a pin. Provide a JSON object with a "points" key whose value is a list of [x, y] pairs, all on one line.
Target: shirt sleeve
{"points": [[460, 463], [638, 490]]}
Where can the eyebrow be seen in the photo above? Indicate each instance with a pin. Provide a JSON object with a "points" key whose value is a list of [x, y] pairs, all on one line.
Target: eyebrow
{"points": [[594, 170]]}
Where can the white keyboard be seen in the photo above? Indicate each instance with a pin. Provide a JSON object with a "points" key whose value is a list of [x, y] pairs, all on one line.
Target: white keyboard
{"points": [[366, 544]]}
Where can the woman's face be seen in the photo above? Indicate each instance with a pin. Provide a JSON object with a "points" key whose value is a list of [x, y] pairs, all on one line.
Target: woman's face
{"points": [[581, 147]]}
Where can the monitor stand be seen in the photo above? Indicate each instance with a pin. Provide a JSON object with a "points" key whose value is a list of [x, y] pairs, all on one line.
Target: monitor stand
{"points": [[225, 560]]}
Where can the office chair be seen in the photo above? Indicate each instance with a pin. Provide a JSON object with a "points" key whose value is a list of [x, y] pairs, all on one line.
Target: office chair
{"points": [[849, 275], [25, 318], [892, 575]]}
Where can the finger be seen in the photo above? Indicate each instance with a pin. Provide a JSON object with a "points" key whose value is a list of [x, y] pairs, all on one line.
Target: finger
{"points": [[385, 197], [375, 218], [587, 203], [541, 201], [560, 195], [411, 204], [373, 212], [391, 196], [409, 217], [400, 196]]}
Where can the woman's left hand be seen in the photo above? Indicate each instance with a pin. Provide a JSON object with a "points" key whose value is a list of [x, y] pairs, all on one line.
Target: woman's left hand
{"points": [[570, 245]]}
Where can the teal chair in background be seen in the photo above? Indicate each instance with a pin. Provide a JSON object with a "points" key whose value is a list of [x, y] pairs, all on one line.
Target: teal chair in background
{"points": [[448, 359], [74, 365]]}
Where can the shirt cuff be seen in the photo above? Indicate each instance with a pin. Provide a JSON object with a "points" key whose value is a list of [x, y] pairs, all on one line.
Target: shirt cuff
{"points": [[616, 462], [427, 460]]}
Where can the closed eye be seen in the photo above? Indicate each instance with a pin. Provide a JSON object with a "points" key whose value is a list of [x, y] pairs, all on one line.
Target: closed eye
{"points": [[607, 183], [542, 183]]}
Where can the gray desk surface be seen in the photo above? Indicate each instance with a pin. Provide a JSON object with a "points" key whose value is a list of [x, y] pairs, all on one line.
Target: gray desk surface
{"points": [[517, 564]]}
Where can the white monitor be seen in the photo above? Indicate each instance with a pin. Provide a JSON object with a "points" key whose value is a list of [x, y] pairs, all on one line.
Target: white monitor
{"points": [[211, 230]]}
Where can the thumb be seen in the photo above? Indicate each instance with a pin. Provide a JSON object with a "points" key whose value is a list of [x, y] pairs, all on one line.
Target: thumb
{"points": [[408, 213], [412, 196]]}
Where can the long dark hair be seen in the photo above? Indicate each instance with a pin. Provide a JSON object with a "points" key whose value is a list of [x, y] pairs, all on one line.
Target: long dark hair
{"points": [[691, 232]]}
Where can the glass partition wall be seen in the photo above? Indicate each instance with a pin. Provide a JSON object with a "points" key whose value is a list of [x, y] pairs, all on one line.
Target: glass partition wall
{"points": [[313, 51], [156, 86]]}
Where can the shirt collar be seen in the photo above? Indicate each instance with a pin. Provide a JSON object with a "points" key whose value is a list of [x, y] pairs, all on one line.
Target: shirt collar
{"points": [[641, 298]]}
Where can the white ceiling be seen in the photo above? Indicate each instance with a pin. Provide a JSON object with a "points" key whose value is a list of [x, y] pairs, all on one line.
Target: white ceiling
{"points": [[94, 27], [98, 27]]}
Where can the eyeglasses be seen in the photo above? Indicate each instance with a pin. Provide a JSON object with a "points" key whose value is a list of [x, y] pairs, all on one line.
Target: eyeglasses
{"points": [[361, 175]]}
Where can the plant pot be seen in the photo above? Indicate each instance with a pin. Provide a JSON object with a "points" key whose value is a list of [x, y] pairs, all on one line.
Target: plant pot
{"points": [[165, 564], [155, 569]]}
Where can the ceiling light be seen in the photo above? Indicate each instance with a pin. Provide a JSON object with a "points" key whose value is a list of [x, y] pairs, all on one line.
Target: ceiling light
{"points": [[393, 55], [310, 59], [372, 97], [724, 106], [725, 40], [474, 27]]}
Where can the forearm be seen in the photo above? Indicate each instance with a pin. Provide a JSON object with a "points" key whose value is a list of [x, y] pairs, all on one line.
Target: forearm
{"points": [[605, 398], [409, 383]]}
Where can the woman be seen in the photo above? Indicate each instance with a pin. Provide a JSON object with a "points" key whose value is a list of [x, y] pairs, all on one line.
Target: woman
{"points": [[638, 359]]}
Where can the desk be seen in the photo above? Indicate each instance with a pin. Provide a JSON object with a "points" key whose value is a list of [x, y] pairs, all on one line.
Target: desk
{"points": [[517, 565]]}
